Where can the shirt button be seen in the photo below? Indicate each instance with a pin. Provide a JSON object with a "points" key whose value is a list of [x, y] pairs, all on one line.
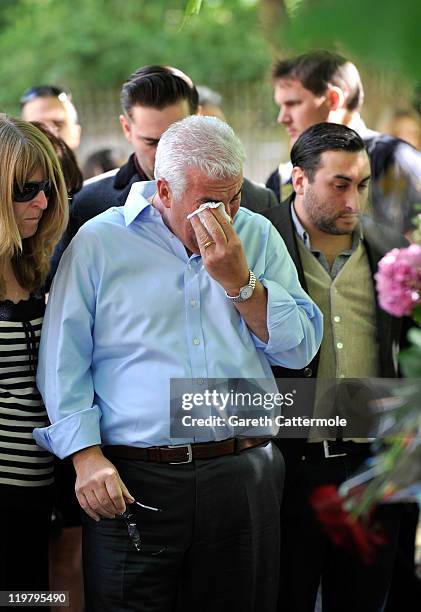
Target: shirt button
{"points": [[193, 302], [307, 372], [337, 319], [188, 267], [339, 345], [196, 341]]}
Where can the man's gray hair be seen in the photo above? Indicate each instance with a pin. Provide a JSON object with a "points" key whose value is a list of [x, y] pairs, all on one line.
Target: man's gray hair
{"points": [[205, 143]]}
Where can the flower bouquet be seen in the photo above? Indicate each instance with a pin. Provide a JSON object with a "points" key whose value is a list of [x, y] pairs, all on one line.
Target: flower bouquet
{"points": [[394, 472]]}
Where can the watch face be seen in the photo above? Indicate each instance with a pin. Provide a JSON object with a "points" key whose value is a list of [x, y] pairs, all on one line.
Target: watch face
{"points": [[246, 292]]}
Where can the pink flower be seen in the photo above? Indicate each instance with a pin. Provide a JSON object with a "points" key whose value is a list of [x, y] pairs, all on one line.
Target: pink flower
{"points": [[398, 280]]}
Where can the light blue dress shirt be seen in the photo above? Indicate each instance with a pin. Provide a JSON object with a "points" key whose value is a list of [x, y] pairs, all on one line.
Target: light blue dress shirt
{"points": [[129, 309]]}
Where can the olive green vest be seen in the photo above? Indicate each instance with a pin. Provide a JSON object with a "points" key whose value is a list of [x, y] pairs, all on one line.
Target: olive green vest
{"points": [[349, 347]]}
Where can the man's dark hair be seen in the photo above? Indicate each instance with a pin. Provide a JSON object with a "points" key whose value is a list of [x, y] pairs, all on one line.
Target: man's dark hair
{"points": [[158, 87], [319, 138], [102, 160], [319, 69]]}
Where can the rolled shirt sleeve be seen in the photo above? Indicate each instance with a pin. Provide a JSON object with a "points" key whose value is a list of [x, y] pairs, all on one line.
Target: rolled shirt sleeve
{"points": [[64, 375]]}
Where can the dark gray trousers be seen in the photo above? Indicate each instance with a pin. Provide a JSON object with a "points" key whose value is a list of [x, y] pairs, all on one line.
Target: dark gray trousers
{"points": [[219, 524]]}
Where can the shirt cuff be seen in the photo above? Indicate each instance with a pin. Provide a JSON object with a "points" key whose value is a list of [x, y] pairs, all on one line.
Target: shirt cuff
{"points": [[293, 322], [71, 434]]}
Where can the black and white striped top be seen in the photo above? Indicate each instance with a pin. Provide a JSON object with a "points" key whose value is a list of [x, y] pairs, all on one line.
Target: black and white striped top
{"points": [[22, 462]]}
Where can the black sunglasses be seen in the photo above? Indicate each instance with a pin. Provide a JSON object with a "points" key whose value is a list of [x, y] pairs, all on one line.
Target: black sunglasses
{"points": [[30, 190], [44, 91]]}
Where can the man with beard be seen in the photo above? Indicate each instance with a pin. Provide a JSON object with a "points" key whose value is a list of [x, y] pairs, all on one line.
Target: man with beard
{"points": [[336, 258]]}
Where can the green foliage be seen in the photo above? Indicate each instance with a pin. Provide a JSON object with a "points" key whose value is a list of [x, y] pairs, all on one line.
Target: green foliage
{"points": [[98, 43], [383, 33], [410, 362], [416, 315], [410, 358]]}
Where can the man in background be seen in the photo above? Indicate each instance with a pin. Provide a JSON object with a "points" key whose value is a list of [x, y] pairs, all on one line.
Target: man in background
{"points": [[210, 102], [323, 86], [53, 107], [152, 99]]}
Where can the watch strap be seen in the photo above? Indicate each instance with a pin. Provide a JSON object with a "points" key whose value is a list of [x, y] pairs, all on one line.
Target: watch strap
{"points": [[252, 284]]}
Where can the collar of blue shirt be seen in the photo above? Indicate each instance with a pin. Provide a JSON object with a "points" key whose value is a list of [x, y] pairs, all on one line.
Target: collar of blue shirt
{"points": [[138, 200]]}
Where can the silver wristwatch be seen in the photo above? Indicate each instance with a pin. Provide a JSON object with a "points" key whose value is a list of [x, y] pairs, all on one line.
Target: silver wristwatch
{"points": [[245, 292]]}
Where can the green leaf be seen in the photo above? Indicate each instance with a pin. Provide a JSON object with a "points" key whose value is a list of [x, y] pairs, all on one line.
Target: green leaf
{"points": [[416, 314], [410, 361], [414, 336], [193, 7]]}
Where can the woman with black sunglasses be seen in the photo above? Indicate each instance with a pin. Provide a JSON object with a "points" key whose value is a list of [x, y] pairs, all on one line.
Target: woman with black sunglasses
{"points": [[33, 215], [66, 531]]}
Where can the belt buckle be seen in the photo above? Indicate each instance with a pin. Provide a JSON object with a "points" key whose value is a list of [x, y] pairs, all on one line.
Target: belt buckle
{"points": [[326, 451], [189, 452]]}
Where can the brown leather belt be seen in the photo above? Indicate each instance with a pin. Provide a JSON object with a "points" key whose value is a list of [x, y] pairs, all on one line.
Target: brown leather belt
{"points": [[184, 453]]}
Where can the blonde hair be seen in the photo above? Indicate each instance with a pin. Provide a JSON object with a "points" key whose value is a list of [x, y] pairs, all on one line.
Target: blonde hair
{"points": [[24, 150]]}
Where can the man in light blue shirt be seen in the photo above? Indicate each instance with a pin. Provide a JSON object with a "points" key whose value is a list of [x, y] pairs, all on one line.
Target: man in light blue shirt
{"points": [[144, 295]]}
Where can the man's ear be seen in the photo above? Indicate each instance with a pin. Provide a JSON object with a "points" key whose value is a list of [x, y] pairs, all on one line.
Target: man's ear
{"points": [[126, 127], [164, 192], [299, 180], [335, 98]]}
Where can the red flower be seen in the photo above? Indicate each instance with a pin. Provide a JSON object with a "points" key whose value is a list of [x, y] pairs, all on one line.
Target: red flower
{"points": [[344, 529]]}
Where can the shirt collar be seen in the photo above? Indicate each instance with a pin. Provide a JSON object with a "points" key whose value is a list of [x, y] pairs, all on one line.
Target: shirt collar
{"points": [[299, 228], [137, 200]]}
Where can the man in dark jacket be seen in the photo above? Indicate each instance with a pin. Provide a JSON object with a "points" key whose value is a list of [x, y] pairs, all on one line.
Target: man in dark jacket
{"points": [[336, 257], [152, 99]]}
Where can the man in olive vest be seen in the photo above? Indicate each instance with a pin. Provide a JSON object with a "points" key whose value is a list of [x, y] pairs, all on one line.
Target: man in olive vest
{"points": [[336, 251]]}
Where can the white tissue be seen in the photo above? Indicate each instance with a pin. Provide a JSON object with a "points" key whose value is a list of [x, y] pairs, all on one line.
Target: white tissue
{"points": [[207, 205]]}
